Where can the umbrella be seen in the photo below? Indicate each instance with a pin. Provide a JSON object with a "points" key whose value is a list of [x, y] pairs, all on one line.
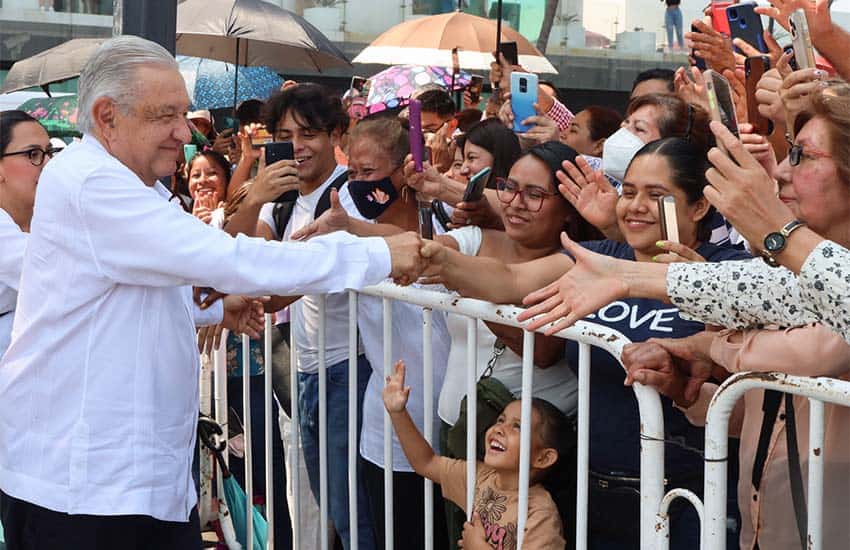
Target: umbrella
{"points": [[253, 33], [234, 496], [54, 65], [210, 83], [57, 114], [393, 87], [430, 41]]}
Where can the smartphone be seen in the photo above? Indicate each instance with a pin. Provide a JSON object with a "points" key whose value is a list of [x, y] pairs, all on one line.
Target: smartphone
{"points": [[417, 141], [509, 50], [801, 40], [667, 215], [523, 98], [281, 150], [699, 62], [476, 85], [754, 69], [745, 23], [720, 102], [358, 83], [475, 188], [718, 17]]}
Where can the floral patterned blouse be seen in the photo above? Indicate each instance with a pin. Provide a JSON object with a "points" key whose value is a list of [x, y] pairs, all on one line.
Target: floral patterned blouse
{"points": [[750, 293]]}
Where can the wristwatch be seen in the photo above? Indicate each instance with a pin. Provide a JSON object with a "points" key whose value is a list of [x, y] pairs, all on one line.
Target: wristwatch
{"points": [[775, 242]]}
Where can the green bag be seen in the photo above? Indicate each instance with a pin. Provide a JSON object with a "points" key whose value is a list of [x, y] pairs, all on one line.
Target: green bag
{"points": [[493, 397]]}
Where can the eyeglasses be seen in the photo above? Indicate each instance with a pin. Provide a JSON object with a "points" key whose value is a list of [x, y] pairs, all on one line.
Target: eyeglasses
{"points": [[532, 196], [796, 154], [35, 155]]}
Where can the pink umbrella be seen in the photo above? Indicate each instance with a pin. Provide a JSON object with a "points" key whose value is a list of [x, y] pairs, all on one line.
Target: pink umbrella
{"points": [[392, 88]]}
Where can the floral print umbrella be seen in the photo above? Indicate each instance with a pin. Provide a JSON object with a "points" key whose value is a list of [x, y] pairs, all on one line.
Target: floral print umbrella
{"points": [[57, 114], [392, 88]]}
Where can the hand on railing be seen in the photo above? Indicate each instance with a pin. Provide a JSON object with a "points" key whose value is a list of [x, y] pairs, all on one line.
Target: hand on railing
{"points": [[474, 535], [594, 281], [396, 393], [673, 367], [407, 261], [333, 219]]}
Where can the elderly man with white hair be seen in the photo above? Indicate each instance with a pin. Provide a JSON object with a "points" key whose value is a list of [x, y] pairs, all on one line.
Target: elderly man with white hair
{"points": [[99, 387]]}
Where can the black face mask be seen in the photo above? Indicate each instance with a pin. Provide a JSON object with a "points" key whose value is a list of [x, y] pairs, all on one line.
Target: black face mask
{"points": [[372, 198]]}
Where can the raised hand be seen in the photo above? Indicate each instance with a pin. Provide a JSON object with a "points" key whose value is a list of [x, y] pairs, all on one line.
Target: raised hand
{"points": [[798, 89], [223, 142], [817, 15], [767, 91], [741, 189], [712, 46], [333, 219], [478, 213], [395, 392], [594, 281], [429, 183], [542, 129], [203, 206], [407, 262], [676, 252], [272, 181], [691, 90], [759, 147], [774, 50], [249, 153], [590, 193]]}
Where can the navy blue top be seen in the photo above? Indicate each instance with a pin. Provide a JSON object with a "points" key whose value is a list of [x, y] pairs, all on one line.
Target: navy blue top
{"points": [[615, 422]]}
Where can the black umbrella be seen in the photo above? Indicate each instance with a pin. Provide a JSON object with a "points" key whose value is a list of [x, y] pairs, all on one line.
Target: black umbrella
{"points": [[253, 32]]}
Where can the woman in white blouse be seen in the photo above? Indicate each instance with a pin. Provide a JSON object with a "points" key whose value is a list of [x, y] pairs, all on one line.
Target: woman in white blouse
{"points": [[24, 150]]}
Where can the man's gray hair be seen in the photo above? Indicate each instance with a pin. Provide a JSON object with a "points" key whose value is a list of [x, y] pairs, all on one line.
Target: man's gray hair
{"points": [[111, 73]]}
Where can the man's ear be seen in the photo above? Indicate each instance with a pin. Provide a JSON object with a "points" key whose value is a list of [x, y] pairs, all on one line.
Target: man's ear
{"points": [[545, 458], [598, 147], [104, 112]]}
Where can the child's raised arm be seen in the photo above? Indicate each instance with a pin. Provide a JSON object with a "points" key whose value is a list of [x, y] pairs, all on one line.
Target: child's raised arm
{"points": [[418, 452]]}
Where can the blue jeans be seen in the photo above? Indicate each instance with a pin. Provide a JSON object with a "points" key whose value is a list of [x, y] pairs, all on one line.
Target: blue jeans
{"points": [[308, 420], [673, 20]]}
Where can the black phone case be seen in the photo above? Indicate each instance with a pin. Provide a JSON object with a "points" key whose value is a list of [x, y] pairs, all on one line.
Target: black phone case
{"points": [[744, 23], [279, 150]]}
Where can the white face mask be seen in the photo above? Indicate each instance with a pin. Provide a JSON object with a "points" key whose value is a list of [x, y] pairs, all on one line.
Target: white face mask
{"points": [[618, 151]]}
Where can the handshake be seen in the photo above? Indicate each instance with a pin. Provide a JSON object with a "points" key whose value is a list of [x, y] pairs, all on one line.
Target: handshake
{"points": [[413, 257]]}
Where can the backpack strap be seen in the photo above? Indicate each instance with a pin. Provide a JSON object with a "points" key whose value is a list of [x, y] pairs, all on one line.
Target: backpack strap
{"points": [[325, 200], [281, 214]]}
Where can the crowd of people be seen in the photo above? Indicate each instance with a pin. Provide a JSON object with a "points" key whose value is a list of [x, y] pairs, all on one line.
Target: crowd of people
{"points": [[104, 243]]}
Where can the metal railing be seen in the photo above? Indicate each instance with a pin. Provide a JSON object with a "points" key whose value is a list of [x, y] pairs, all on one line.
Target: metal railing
{"points": [[585, 334]]}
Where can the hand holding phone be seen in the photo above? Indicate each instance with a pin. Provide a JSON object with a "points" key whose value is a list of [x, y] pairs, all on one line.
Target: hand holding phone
{"points": [[509, 50], [801, 39], [475, 188], [667, 217], [720, 103], [476, 85], [523, 98], [745, 23], [279, 150]]}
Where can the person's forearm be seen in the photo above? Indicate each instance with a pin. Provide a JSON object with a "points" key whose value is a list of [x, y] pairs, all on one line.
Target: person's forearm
{"points": [[244, 220], [241, 174], [798, 249], [646, 280], [277, 303], [365, 229], [483, 278], [451, 191], [834, 47], [548, 350], [418, 452]]}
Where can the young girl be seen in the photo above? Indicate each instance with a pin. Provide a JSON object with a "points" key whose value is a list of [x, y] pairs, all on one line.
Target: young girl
{"points": [[495, 507]]}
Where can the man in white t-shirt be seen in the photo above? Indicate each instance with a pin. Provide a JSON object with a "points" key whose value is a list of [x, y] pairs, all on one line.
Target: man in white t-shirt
{"points": [[313, 119]]}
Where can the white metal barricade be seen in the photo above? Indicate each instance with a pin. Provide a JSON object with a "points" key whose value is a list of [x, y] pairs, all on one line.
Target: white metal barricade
{"points": [[586, 334]]}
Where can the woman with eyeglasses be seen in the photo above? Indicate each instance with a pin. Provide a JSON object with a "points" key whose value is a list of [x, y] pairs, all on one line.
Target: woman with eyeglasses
{"points": [[668, 167], [24, 150]]}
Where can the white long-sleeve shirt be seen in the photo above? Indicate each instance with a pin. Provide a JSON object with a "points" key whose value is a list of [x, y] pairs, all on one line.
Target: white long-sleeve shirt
{"points": [[99, 387], [13, 242]]}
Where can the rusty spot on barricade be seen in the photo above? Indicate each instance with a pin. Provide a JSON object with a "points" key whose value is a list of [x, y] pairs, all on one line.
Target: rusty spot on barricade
{"points": [[499, 312], [455, 301], [816, 451]]}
